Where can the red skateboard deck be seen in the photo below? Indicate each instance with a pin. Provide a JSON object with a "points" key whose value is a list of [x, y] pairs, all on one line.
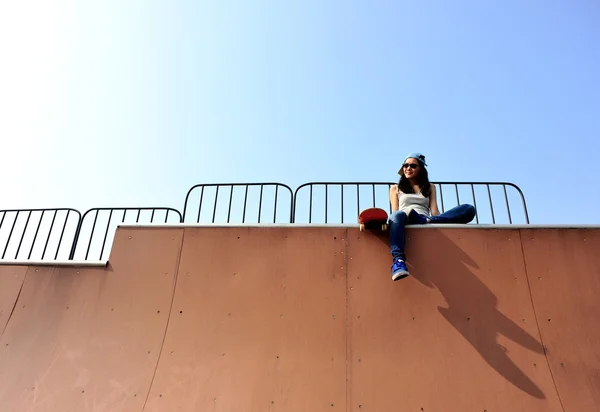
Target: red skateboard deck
{"points": [[373, 217]]}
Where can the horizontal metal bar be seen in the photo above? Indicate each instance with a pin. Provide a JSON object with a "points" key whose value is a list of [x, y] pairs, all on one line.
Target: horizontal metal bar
{"points": [[40, 210]]}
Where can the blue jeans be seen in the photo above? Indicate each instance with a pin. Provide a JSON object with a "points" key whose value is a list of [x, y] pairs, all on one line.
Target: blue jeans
{"points": [[459, 214]]}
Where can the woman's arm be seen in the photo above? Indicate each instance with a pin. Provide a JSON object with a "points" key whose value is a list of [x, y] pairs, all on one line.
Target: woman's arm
{"points": [[394, 197], [433, 201]]}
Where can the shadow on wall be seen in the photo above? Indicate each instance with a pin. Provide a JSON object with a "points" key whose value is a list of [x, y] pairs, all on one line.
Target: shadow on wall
{"points": [[472, 306]]}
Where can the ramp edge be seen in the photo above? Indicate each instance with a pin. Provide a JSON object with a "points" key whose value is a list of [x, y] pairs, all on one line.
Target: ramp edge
{"points": [[63, 263], [347, 226]]}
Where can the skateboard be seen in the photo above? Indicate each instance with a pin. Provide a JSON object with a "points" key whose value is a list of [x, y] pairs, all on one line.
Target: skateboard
{"points": [[373, 217]]}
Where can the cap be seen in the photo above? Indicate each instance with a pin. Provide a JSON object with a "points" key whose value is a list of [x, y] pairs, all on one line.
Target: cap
{"points": [[414, 155]]}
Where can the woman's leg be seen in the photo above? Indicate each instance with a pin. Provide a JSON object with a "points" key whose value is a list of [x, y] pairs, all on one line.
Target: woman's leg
{"points": [[396, 225], [397, 222], [459, 214]]}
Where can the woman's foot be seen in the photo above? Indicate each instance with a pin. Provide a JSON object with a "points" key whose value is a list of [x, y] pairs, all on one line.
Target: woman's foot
{"points": [[399, 270]]}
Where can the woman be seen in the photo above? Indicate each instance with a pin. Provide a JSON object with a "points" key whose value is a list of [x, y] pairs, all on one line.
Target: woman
{"points": [[414, 202]]}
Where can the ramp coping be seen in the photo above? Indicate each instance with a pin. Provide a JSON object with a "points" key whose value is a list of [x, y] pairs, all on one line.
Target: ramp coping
{"points": [[71, 263], [104, 263], [350, 226]]}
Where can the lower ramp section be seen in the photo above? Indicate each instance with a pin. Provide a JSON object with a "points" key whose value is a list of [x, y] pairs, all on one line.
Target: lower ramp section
{"points": [[258, 323], [564, 267], [460, 334], [89, 339], [11, 280]]}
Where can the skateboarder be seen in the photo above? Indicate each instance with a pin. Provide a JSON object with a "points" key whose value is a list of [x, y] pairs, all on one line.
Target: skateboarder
{"points": [[414, 201]]}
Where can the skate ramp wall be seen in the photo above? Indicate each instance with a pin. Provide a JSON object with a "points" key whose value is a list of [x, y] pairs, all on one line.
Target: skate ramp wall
{"points": [[307, 318], [89, 339]]}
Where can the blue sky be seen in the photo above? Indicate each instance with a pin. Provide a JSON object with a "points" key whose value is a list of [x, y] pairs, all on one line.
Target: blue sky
{"points": [[131, 103]]}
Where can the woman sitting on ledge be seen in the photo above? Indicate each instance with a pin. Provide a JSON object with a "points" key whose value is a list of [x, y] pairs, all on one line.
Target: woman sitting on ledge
{"points": [[414, 202]]}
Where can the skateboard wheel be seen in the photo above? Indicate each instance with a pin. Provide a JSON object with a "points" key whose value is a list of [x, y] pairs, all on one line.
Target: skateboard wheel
{"points": [[384, 227], [362, 227]]}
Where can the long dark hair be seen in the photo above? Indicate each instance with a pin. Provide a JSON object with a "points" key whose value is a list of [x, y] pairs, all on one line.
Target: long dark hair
{"points": [[423, 180]]}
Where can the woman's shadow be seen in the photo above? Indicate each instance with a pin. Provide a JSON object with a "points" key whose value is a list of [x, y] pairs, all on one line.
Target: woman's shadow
{"points": [[472, 306]]}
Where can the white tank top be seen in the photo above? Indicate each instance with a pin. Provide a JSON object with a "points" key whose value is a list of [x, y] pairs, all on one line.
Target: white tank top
{"points": [[412, 201]]}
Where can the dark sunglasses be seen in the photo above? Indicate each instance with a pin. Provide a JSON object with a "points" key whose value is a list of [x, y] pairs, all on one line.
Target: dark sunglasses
{"points": [[411, 165]]}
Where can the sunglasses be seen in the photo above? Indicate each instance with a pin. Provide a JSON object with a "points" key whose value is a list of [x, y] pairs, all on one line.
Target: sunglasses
{"points": [[411, 165]]}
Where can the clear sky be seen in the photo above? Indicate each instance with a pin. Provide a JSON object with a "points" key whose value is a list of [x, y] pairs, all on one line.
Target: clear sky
{"points": [[132, 102]]}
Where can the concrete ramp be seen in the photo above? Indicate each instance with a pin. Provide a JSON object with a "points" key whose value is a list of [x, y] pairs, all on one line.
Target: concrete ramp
{"points": [[258, 323], [459, 335], [307, 319], [564, 268], [89, 339]]}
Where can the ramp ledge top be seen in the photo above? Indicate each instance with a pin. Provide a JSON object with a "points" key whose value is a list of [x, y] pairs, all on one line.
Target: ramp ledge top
{"points": [[349, 226], [64, 263]]}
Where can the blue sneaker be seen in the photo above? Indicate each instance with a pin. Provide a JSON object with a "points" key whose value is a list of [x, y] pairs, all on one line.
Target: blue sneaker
{"points": [[399, 270]]}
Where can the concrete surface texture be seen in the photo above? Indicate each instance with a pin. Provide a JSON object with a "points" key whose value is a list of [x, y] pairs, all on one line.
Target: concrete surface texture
{"points": [[308, 319]]}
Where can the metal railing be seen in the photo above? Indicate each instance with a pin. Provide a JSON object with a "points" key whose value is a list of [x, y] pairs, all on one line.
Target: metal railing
{"points": [[64, 234], [93, 231], [34, 233], [332, 202], [222, 203], [363, 195], [489, 207]]}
